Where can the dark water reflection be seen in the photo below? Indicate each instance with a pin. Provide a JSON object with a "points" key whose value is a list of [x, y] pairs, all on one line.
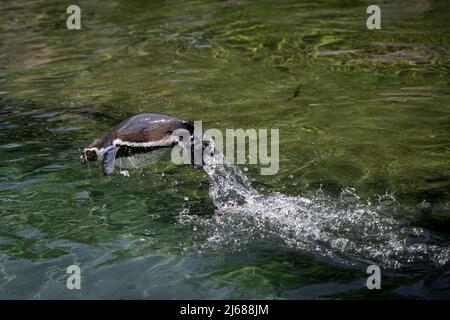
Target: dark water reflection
{"points": [[355, 108]]}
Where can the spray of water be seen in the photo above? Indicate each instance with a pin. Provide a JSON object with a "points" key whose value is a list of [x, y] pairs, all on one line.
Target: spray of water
{"points": [[316, 224]]}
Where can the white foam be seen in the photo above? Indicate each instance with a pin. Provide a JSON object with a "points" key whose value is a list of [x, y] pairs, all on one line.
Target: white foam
{"points": [[349, 233]]}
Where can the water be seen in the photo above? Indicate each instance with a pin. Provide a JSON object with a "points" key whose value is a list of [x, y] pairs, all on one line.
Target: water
{"points": [[315, 223], [364, 146]]}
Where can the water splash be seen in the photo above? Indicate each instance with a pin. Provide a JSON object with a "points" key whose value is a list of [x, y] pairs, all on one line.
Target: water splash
{"points": [[347, 231], [228, 185]]}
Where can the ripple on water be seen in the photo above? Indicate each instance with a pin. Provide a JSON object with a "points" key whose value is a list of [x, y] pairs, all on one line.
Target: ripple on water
{"points": [[11, 145], [20, 185]]}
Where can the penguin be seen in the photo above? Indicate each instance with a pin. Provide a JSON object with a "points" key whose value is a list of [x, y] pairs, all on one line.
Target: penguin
{"points": [[141, 133]]}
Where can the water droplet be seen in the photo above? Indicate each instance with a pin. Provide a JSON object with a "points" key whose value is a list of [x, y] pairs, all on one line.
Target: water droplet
{"points": [[386, 200], [125, 173], [349, 195], [148, 232], [424, 205]]}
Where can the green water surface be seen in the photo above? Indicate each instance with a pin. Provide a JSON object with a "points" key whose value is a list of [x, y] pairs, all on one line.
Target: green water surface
{"points": [[356, 108]]}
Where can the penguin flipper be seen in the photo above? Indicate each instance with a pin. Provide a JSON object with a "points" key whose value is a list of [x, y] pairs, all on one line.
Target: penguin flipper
{"points": [[109, 157]]}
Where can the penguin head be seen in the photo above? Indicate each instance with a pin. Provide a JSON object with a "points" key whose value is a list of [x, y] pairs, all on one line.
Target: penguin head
{"points": [[92, 151]]}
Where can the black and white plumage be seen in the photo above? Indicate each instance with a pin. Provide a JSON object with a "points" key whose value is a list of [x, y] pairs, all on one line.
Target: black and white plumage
{"points": [[142, 133]]}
